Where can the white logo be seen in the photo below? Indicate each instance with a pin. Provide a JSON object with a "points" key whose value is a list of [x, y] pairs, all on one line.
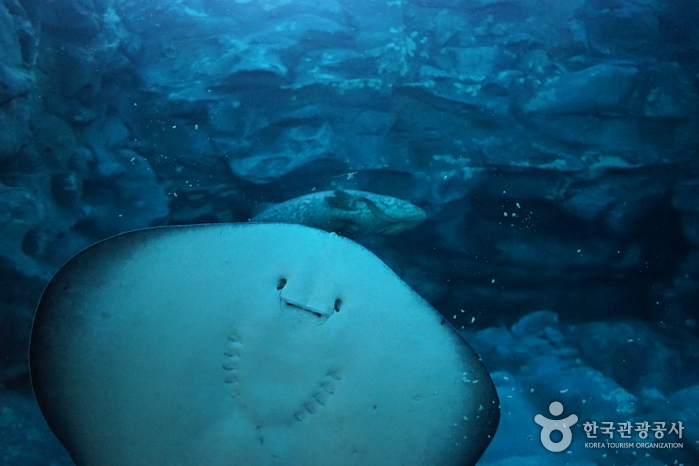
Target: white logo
{"points": [[561, 425]]}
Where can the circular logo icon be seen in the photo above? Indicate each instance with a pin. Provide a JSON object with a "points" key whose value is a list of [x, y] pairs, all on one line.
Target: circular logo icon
{"points": [[561, 425]]}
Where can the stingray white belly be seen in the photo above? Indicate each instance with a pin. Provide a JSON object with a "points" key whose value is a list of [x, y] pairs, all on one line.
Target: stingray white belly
{"points": [[241, 344]]}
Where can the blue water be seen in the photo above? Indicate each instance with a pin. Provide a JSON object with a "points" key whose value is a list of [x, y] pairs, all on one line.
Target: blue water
{"points": [[551, 144]]}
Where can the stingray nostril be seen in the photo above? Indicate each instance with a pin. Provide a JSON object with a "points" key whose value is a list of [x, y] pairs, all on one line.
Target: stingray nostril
{"points": [[338, 303], [281, 283]]}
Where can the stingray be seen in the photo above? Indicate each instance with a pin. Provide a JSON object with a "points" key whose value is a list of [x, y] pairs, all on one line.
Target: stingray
{"points": [[252, 344]]}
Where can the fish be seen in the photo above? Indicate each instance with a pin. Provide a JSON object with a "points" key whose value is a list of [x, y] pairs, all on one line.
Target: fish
{"points": [[252, 344], [351, 213]]}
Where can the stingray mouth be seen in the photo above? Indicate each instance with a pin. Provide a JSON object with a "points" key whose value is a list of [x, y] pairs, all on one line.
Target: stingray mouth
{"points": [[296, 306], [304, 312], [318, 314]]}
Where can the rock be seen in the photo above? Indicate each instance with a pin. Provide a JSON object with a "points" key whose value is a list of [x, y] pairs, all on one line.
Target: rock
{"points": [[17, 43], [114, 131], [534, 324], [628, 27], [516, 410], [619, 202], [297, 148], [20, 213], [598, 90], [683, 406], [78, 18], [670, 92], [14, 82], [66, 188], [474, 64], [123, 195], [22, 39], [26, 437], [14, 120]]}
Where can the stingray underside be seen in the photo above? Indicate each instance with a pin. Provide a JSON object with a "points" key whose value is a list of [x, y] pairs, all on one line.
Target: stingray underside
{"points": [[240, 344]]}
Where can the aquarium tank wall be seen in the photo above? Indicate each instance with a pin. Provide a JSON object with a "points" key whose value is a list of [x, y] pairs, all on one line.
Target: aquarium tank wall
{"points": [[529, 168]]}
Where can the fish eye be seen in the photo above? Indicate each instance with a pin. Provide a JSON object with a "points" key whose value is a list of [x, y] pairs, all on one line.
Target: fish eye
{"points": [[281, 283], [338, 303]]}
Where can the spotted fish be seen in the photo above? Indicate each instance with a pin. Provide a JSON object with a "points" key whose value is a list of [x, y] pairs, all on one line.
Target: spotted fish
{"points": [[348, 212]]}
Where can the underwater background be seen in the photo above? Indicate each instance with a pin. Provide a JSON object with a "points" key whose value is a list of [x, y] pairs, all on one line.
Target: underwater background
{"points": [[553, 145]]}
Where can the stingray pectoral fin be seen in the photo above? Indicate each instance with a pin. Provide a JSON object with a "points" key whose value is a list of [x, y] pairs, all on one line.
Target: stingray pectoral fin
{"points": [[170, 346]]}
